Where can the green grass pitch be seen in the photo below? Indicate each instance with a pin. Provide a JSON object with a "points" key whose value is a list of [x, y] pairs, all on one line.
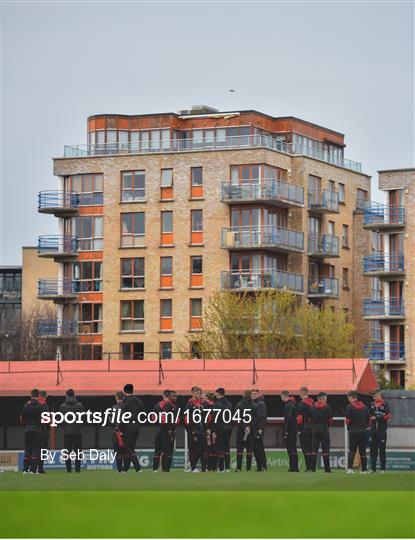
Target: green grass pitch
{"points": [[102, 503]]}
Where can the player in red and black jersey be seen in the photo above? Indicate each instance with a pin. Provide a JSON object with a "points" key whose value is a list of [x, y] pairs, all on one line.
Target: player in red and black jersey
{"points": [[44, 429], [164, 440], [290, 428], [211, 451], [380, 415], [195, 427], [31, 419], [321, 417], [304, 425], [357, 420]]}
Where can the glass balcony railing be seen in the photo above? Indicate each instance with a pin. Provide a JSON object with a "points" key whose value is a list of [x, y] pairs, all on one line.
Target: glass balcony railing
{"points": [[383, 307], [382, 263], [57, 201], [262, 140], [267, 279], [323, 245], [263, 189], [323, 201], [267, 236], [323, 287], [379, 215], [48, 288], [385, 352], [56, 245], [56, 328]]}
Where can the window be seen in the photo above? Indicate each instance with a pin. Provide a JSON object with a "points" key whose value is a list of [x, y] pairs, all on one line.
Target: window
{"points": [[90, 318], [197, 265], [197, 220], [89, 232], [132, 315], [361, 199], [90, 352], [132, 351], [87, 276], [167, 222], [196, 271], [376, 288], [331, 228], [196, 190], [133, 186], [132, 229], [89, 188], [132, 273], [342, 194], [346, 314], [195, 313], [165, 350], [166, 315], [345, 236], [345, 278], [166, 178], [332, 185], [166, 272]]}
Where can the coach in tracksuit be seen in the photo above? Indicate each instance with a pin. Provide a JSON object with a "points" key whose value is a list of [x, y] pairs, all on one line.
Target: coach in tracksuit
{"points": [[117, 442], [72, 435], [245, 412], [223, 429], [379, 417], [357, 420], [167, 411], [259, 430], [31, 419], [44, 429], [321, 417], [304, 425], [130, 429], [290, 429]]}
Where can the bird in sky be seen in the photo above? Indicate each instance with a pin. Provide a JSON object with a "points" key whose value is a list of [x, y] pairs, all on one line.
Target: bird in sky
{"points": [[232, 90]]}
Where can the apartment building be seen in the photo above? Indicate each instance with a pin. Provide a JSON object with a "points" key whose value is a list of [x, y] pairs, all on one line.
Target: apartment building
{"points": [[158, 211], [10, 307], [391, 306]]}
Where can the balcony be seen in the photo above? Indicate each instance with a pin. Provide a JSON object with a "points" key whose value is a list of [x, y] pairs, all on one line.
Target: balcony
{"points": [[323, 201], [59, 203], [323, 287], [57, 247], [267, 279], [273, 192], [59, 290], [385, 352], [56, 328], [379, 216], [383, 309], [323, 245], [226, 142], [382, 265], [266, 237]]}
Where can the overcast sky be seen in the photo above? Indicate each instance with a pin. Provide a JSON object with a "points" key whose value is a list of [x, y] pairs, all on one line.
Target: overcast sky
{"points": [[347, 66]]}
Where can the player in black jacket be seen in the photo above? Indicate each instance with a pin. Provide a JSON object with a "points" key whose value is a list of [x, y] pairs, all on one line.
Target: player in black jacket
{"points": [[72, 435], [304, 425], [290, 429], [321, 417], [245, 412], [44, 430], [164, 440], [130, 430], [194, 420], [379, 417], [209, 400], [31, 419], [223, 429], [259, 430], [357, 420], [117, 442]]}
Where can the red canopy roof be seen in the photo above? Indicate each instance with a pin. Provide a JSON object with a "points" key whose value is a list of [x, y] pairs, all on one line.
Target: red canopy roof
{"points": [[271, 376]]}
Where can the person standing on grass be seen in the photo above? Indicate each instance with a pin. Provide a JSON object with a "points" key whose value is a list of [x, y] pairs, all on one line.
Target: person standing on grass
{"points": [[211, 434], [379, 417], [223, 430], [290, 429], [117, 442], [164, 440], [321, 417], [130, 430], [259, 430], [357, 420], [195, 428], [245, 412], [44, 429], [304, 425], [72, 435], [31, 419]]}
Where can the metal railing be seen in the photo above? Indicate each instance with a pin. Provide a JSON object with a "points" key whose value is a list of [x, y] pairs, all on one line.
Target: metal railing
{"points": [[380, 262], [56, 328], [324, 286], [265, 236], [383, 307], [385, 352], [57, 244], [57, 199], [380, 214], [323, 245], [215, 143], [263, 189], [267, 279], [323, 200], [55, 287]]}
